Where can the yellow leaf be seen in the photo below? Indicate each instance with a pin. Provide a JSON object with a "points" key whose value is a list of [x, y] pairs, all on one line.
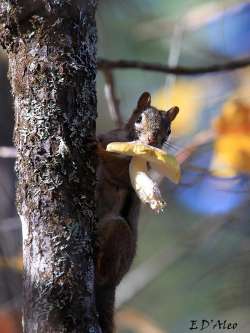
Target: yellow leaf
{"points": [[232, 146], [235, 118], [188, 96], [231, 155]]}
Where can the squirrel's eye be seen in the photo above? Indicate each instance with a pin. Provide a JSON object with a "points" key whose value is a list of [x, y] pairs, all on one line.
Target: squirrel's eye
{"points": [[169, 131], [139, 119]]}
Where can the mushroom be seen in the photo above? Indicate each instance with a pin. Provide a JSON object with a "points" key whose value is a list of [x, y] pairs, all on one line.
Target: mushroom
{"points": [[144, 159]]}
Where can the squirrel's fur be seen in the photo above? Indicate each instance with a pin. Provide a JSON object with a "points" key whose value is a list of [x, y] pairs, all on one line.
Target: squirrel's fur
{"points": [[118, 205]]}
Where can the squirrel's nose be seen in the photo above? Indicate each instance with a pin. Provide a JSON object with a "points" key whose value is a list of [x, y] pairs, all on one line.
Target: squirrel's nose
{"points": [[152, 140]]}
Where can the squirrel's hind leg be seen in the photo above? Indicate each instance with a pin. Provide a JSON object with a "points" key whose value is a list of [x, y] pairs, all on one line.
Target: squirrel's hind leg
{"points": [[115, 250], [105, 298]]}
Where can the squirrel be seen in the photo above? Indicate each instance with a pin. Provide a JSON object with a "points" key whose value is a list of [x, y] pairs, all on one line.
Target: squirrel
{"points": [[117, 203]]}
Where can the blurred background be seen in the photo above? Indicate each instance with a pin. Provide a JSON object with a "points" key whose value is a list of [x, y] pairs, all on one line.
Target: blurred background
{"points": [[193, 260]]}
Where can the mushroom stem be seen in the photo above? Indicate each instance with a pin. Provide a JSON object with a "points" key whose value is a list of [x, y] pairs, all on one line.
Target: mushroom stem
{"points": [[147, 190]]}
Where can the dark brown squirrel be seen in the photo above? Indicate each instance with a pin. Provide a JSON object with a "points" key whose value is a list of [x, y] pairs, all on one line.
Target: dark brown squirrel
{"points": [[117, 203]]}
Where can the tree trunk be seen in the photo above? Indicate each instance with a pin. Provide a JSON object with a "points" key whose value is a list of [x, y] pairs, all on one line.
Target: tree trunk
{"points": [[52, 68]]}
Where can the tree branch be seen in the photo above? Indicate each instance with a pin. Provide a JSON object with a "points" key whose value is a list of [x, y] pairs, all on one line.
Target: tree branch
{"points": [[7, 152], [200, 139], [112, 100], [104, 64]]}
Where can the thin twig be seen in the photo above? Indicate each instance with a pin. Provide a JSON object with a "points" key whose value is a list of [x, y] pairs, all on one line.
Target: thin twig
{"points": [[137, 279], [112, 100], [7, 152], [174, 53], [184, 153], [132, 319], [105, 64], [199, 140]]}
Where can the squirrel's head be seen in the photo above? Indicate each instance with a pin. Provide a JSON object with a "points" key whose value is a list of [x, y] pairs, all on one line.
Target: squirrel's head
{"points": [[150, 125]]}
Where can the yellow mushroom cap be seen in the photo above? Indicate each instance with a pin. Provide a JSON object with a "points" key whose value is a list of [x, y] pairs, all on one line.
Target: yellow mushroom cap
{"points": [[159, 160]]}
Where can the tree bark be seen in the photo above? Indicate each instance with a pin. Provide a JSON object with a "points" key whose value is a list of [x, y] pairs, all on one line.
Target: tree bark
{"points": [[52, 69]]}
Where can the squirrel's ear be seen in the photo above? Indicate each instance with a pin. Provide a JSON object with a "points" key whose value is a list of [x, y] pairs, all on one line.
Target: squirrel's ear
{"points": [[172, 113], [144, 101]]}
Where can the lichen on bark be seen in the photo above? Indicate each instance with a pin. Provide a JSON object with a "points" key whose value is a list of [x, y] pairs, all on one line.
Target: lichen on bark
{"points": [[52, 69]]}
